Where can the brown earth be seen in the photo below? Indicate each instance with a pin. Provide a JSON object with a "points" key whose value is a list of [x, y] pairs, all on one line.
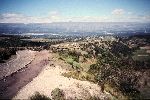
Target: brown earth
{"points": [[11, 84]]}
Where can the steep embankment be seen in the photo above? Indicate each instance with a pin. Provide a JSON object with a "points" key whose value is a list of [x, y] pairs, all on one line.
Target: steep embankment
{"points": [[16, 79], [51, 78], [43, 75], [23, 58]]}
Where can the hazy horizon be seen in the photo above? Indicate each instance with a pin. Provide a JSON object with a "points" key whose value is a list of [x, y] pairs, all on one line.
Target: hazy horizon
{"points": [[49, 11]]}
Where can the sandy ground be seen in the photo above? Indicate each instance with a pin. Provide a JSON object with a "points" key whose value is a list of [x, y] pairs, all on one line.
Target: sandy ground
{"points": [[51, 78]]}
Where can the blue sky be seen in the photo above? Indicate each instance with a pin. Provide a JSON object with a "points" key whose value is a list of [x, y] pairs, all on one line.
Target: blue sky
{"points": [[74, 10]]}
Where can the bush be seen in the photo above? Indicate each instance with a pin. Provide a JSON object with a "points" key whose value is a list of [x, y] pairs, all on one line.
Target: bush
{"points": [[57, 94], [115, 91], [69, 61], [76, 65], [88, 56], [39, 96], [119, 93], [80, 76]]}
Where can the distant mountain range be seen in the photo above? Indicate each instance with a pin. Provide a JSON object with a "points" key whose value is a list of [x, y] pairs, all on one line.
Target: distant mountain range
{"points": [[82, 28]]}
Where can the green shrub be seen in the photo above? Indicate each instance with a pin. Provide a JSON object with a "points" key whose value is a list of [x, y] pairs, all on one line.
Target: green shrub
{"points": [[57, 94], [39, 96], [76, 65], [88, 56], [69, 61], [80, 75], [117, 92], [114, 91]]}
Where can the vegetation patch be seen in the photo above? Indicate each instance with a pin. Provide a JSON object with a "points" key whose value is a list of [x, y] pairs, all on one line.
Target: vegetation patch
{"points": [[57, 94], [38, 96], [80, 75], [119, 94], [141, 55], [70, 59], [76, 65], [112, 89], [115, 67], [6, 53]]}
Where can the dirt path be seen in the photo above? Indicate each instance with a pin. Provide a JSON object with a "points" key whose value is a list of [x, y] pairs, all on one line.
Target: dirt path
{"points": [[11, 84], [22, 58], [51, 78]]}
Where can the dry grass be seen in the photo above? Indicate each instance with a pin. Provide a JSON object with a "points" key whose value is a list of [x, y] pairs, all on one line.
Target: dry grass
{"points": [[79, 75], [86, 65], [114, 91]]}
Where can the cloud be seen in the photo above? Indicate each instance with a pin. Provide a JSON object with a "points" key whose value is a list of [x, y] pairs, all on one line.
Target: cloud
{"points": [[88, 19], [51, 17], [55, 16], [10, 15], [20, 18], [146, 17], [118, 12]]}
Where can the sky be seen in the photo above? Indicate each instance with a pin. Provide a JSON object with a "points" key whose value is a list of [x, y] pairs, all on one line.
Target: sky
{"points": [[47, 11]]}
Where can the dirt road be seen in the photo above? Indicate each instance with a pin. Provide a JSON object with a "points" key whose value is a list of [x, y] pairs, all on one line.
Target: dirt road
{"points": [[10, 85]]}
